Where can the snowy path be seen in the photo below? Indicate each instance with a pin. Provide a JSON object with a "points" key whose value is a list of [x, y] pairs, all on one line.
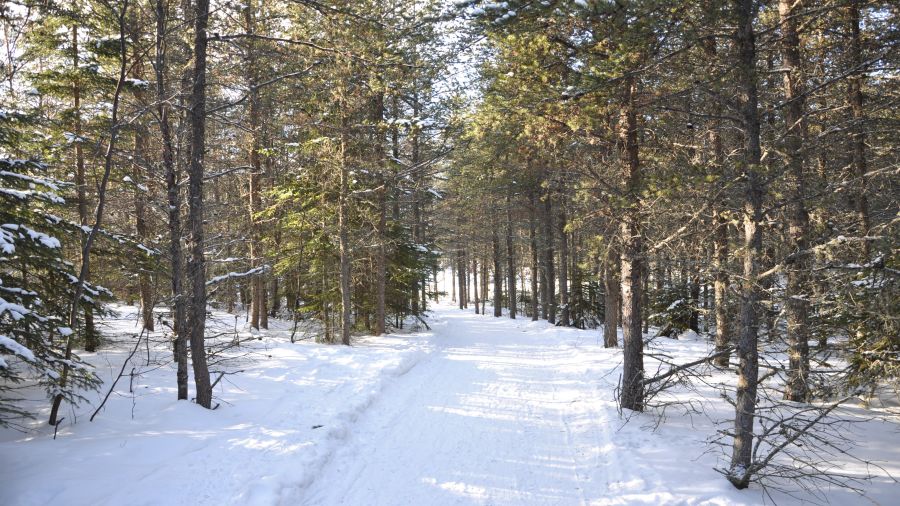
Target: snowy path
{"points": [[501, 413], [483, 411]]}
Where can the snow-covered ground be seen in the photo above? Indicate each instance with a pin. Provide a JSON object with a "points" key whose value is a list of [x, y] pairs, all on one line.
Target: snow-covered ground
{"points": [[477, 411]]}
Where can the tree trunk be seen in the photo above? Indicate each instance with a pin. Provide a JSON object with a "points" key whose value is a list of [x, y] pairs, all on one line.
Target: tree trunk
{"points": [[549, 260], [91, 339], [173, 197], [197, 262], [452, 281], [510, 263], [720, 232], [694, 282], [797, 303], [611, 303], [498, 272], [461, 274], [748, 369], [381, 224], [257, 282], [344, 232], [532, 235], [139, 157], [484, 284], [577, 295], [563, 268], [858, 132], [475, 282], [632, 392]]}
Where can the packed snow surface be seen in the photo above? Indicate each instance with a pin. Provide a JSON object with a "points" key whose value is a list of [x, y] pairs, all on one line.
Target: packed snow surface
{"points": [[480, 410]]}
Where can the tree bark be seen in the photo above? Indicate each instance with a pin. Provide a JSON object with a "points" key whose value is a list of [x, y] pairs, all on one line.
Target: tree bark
{"points": [[632, 392], [173, 197], [475, 282], [91, 339], [858, 132], [563, 268], [257, 282], [549, 270], [797, 303], [720, 231], [532, 235], [748, 369], [344, 232], [498, 272], [510, 263], [138, 160], [461, 277], [611, 302], [452, 281], [197, 261], [145, 280], [381, 224], [694, 282]]}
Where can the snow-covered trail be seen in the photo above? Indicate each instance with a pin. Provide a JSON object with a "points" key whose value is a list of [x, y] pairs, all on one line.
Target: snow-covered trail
{"points": [[502, 412], [482, 411]]}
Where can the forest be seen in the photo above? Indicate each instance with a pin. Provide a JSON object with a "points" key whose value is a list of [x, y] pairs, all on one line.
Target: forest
{"points": [[211, 192]]}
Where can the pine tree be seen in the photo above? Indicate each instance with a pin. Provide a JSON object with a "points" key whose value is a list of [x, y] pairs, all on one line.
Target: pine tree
{"points": [[37, 282]]}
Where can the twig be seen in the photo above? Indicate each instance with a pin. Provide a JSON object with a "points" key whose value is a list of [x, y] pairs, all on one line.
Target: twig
{"points": [[122, 370]]}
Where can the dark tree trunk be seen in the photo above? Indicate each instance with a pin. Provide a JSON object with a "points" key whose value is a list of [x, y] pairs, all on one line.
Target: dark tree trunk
{"points": [[475, 282], [452, 281], [632, 392], [748, 369], [563, 268], [532, 235], [549, 260], [858, 132], [173, 197], [344, 231], [197, 262], [510, 263], [797, 302], [91, 339], [720, 232], [484, 285], [461, 273], [381, 226], [611, 303], [694, 323], [498, 274], [138, 159]]}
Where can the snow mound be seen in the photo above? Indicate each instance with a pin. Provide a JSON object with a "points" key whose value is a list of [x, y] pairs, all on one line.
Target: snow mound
{"points": [[689, 335]]}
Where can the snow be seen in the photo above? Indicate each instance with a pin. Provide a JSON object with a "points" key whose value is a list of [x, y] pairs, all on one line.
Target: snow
{"points": [[137, 83], [16, 311], [675, 304], [46, 240], [236, 275], [15, 348], [689, 335], [481, 410], [31, 179], [72, 138]]}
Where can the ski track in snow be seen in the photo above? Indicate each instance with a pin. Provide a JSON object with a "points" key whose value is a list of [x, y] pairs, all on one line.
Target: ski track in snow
{"points": [[480, 411], [503, 413]]}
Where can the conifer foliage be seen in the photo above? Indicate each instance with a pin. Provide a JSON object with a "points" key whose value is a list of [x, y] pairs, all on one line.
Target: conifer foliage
{"points": [[37, 285]]}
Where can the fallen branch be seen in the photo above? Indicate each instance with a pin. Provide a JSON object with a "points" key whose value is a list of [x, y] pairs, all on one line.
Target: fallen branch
{"points": [[676, 369], [121, 371]]}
